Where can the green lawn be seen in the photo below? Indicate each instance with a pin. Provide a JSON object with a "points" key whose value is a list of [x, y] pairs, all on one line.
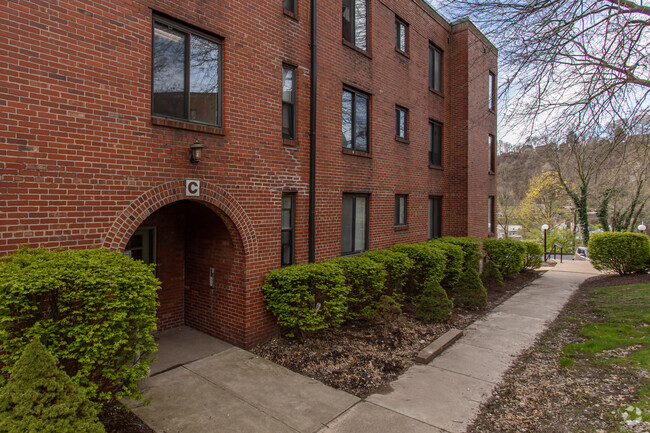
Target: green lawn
{"points": [[620, 334]]}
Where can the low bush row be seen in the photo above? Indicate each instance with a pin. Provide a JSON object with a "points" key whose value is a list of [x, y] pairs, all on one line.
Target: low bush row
{"points": [[316, 296], [620, 252]]}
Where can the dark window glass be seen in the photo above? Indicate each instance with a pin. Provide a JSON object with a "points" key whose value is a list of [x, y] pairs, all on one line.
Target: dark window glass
{"points": [[400, 210], [401, 35], [354, 109], [401, 122], [435, 68], [354, 229], [288, 102], [289, 5], [288, 228], [142, 245], [435, 217], [186, 74], [355, 22], [492, 89], [491, 214], [492, 156], [435, 144]]}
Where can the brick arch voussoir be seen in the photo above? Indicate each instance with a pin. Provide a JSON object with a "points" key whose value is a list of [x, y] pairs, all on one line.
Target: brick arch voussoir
{"points": [[152, 200]]}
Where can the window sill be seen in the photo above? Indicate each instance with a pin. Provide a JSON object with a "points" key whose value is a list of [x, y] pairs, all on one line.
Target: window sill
{"points": [[402, 140], [403, 53], [436, 92], [352, 253], [357, 49], [492, 110], [356, 153], [401, 228], [290, 14], [289, 143], [436, 167], [492, 172], [189, 126]]}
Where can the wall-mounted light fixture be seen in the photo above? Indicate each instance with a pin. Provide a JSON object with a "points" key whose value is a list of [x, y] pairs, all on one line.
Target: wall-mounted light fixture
{"points": [[195, 152]]}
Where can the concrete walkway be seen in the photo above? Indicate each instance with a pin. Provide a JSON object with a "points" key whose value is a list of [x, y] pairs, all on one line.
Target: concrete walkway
{"points": [[236, 391]]}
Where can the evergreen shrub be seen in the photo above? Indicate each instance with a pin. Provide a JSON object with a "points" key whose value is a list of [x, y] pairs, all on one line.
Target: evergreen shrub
{"points": [[397, 267], [94, 310], [428, 263], [454, 261], [471, 250], [469, 292], [366, 283], [41, 398], [491, 276], [507, 255], [620, 252], [433, 304], [533, 255], [307, 297]]}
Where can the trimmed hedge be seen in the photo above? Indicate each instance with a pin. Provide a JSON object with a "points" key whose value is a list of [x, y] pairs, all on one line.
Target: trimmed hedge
{"points": [[469, 292], [366, 283], [428, 263], [93, 309], [433, 304], [533, 255], [454, 260], [307, 297], [41, 398], [397, 266], [506, 254], [624, 253], [471, 250]]}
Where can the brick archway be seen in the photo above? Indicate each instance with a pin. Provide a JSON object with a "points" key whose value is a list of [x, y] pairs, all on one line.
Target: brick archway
{"points": [[217, 198]]}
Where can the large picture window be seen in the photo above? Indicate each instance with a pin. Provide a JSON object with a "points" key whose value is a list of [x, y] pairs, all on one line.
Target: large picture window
{"points": [[186, 73], [355, 22], [354, 111], [354, 233]]}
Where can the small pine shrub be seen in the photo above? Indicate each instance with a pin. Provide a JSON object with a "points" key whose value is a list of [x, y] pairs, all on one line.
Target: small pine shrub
{"points": [[428, 263], [433, 304], [533, 255], [41, 398], [366, 282], [491, 275], [397, 266], [469, 292], [387, 307], [471, 250], [507, 254], [307, 297], [623, 253], [454, 261]]}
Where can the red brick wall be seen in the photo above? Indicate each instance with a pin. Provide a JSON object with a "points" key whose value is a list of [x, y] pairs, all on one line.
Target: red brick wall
{"points": [[83, 163]]}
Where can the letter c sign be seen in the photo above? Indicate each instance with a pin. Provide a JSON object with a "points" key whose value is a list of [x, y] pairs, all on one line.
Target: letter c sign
{"points": [[192, 188]]}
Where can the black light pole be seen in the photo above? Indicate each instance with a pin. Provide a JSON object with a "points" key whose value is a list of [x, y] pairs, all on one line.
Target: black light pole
{"points": [[545, 228]]}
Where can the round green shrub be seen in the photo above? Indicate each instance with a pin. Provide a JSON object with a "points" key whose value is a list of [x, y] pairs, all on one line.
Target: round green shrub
{"points": [[469, 292], [428, 263], [307, 297], [366, 282], [94, 309], [454, 261], [533, 255], [397, 267], [507, 255], [491, 276], [433, 304], [471, 250], [624, 253], [41, 398]]}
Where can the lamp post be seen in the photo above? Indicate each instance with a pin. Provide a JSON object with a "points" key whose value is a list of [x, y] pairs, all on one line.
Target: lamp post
{"points": [[544, 228], [642, 228]]}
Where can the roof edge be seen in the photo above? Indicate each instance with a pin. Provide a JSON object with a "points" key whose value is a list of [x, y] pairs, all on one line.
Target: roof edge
{"points": [[466, 22], [429, 10]]}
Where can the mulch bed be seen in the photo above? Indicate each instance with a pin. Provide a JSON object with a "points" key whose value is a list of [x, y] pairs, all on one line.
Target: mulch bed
{"points": [[363, 356], [538, 396], [117, 419]]}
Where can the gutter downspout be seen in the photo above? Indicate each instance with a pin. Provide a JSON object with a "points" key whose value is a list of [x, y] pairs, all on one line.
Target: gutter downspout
{"points": [[312, 133]]}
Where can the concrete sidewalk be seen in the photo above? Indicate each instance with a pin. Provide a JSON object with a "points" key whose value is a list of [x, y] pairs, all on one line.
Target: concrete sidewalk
{"points": [[236, 391]]}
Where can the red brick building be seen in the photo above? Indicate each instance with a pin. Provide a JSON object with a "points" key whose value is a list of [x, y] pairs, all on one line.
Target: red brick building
{"points": [[100, 103]]}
